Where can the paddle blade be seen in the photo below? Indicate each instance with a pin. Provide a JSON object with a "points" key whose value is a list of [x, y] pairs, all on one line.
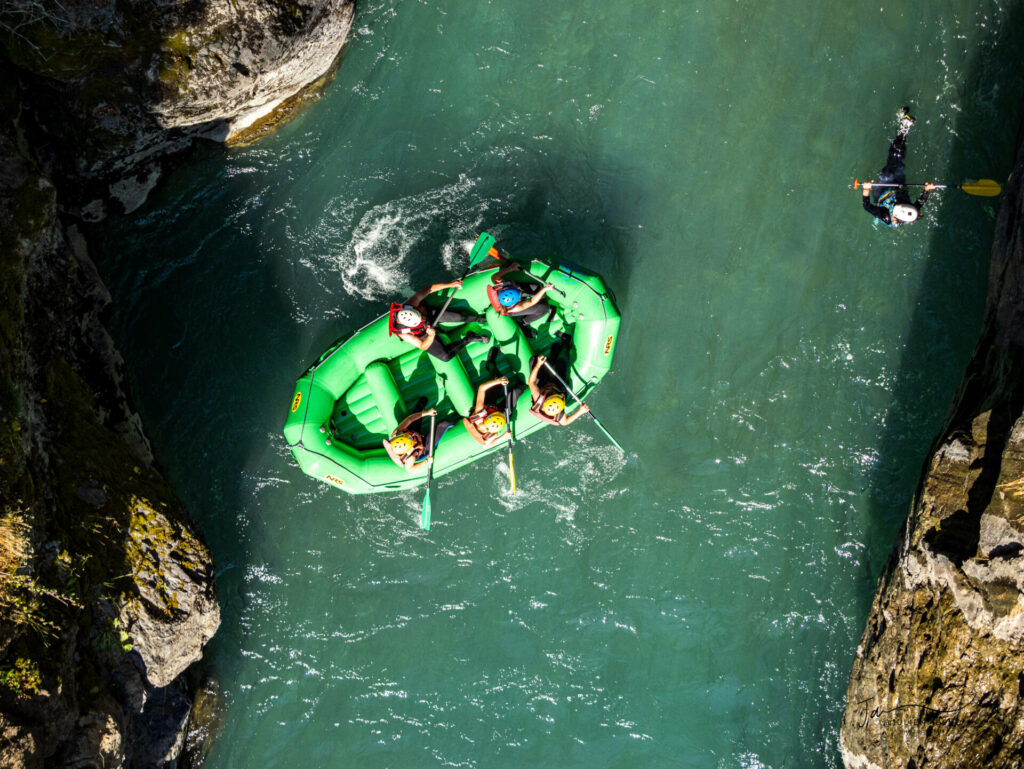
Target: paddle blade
{"points": [[480, 249], [511, 471], [425, 518], [984, 187]]}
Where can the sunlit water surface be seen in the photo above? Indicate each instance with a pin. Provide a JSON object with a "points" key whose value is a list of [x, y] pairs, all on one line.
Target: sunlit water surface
{"points": [[782, 368]]}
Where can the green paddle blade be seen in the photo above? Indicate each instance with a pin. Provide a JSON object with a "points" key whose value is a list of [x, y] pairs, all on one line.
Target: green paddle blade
{"points": [[984, 187], [425, 520], [480, 249]]}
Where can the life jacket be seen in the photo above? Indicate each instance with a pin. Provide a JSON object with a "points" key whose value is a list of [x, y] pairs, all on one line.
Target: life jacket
{"points": [[478, 418], [492, 295], [888, 201], [394, 327]]}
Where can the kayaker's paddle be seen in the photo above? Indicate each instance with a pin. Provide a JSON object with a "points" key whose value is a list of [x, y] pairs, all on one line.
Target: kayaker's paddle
{"points": [[494, 252], [987, 188], [425, 518], [508, 431], [481, 250], [591, 413]]}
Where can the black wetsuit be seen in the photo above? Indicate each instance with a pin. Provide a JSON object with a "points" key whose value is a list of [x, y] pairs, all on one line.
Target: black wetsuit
{"points": [[893, 173]]}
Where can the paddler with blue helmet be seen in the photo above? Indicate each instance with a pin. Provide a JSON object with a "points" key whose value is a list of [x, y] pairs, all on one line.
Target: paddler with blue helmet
{"points": [[487, 422], [413, 322], [893, 206], [510, 298], [548, 400], [408, 447]]}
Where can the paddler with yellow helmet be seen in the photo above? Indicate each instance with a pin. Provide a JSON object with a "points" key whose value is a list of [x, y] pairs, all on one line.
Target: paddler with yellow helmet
{"points": [[408, 447], [893, 206], [487, 422], [549, 400]]}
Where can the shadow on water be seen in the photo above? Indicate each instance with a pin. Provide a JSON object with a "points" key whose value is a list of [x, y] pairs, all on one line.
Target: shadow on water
{"points": [[954, 285]]}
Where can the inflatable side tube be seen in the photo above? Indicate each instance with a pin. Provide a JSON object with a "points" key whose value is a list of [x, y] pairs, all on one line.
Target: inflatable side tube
{"points": [[515, 347], [389, 401], [456, 383]]}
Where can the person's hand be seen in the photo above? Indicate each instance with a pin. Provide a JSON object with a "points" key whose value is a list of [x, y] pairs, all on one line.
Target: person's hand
{"points": [[457, 283], [541, 359], [504, 380], [430, 413], [928, 187], [549, 285], [514, 266], [585, 408]]}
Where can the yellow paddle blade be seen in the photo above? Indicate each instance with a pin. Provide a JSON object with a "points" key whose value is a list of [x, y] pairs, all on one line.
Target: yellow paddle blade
{"points": [[984, 187], [511, 471]]}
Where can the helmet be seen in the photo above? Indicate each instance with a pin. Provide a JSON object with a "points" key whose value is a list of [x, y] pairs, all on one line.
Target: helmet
{"points": [[494, 423], [905, 213], [408, 317], [553, 405], [402, 444], [509, 296]]}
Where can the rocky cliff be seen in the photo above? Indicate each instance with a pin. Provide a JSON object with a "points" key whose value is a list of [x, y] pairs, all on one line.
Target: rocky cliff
{"points": [[112, 88], [938, 679], [106, 587]]}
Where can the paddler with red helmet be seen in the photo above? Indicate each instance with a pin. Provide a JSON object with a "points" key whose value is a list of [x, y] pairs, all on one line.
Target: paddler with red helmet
{"points": [[413, 322], [549, 400]]}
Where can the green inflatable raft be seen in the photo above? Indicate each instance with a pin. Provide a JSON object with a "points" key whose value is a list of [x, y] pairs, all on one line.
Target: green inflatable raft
{"points": [[359, 390]]}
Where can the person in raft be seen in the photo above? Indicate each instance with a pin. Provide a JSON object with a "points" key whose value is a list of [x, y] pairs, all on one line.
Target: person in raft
{"points": [[508, 297], [487, 421], [892, 206], [407, 447], [549, 400], [413, 322]]}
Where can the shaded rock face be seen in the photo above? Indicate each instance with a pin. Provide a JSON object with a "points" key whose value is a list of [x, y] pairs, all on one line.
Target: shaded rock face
{"points": [[117, 583], [938, 679], [113, 87]]}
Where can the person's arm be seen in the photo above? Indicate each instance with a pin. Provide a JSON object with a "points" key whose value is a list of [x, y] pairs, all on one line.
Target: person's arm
{"points": [[583, 409], [423, 293], [481, 391], [879, 212], [511, 267], [532, 381], [412, 418], [924, 195], [419, 342], [536, 298], [471, 429]]}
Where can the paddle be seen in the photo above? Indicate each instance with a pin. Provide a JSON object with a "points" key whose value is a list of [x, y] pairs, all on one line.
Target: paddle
{"points": [[508, 432], [494, 252], [425, 518], [481, 250], [591, 413], [984, 187]]}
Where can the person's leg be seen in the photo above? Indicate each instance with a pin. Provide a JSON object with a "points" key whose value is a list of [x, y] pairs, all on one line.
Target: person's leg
{"points": [[455, 347], [450, 316], [440, 351], [440, 429], [895, 170]]}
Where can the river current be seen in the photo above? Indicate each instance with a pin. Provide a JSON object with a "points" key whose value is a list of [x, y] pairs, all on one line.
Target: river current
{"points": [[783, 366]]}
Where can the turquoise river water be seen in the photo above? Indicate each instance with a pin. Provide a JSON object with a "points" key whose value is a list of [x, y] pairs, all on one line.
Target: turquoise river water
{"points": [[783, 366]]}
